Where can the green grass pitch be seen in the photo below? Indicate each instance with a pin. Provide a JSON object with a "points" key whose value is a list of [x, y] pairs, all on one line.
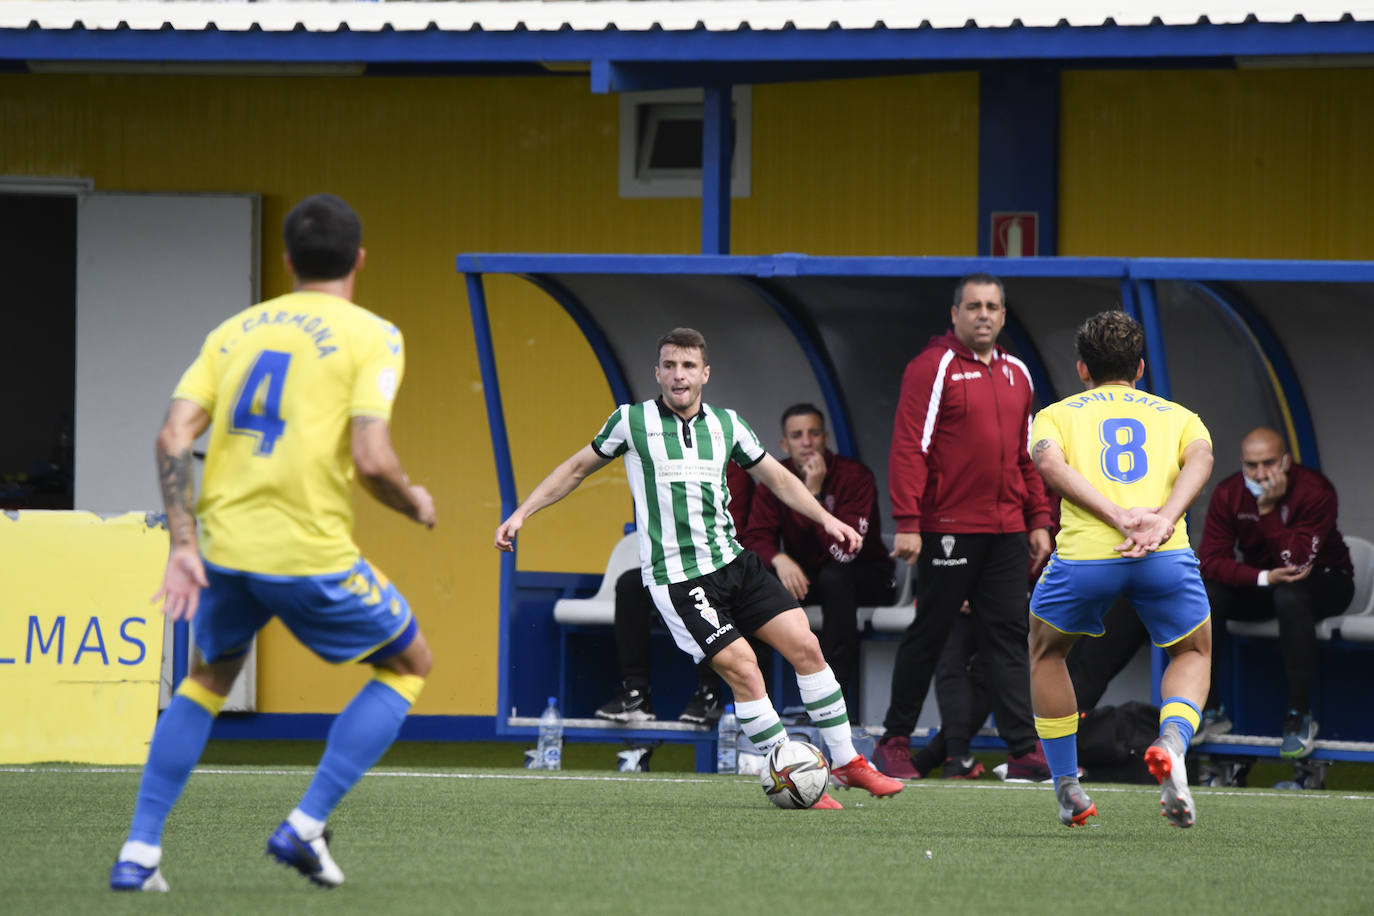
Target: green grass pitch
{"points": [[434, 839]]}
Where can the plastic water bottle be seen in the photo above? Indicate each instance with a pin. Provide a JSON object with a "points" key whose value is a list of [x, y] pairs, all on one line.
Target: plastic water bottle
{"points": [[551, 737], [727, 741]]}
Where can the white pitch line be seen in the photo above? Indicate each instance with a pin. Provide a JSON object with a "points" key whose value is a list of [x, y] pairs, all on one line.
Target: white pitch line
{"points": [[244, 771], [932, 786]]}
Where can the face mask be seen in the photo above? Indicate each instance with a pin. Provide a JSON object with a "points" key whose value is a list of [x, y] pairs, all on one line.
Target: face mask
{"points": [[1253, 486]]}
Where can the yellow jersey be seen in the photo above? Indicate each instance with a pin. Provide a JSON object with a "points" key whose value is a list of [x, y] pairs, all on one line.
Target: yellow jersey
{"points": [[1129, 445], [281, 382]]}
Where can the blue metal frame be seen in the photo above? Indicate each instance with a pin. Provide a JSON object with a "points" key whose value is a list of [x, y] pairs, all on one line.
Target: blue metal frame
{"points": [[1290, 271], [596, 338], [181, 650], [1018, 149], [1030, 355], [505, 472], [1288, 388], [1146, 305], [1156, 362], [792, 265], [717, 145], [491, 392], [844, 51], [816, 357]]}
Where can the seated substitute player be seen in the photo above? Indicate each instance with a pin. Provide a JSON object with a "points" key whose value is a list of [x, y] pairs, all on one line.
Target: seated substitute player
{"points": [[710, 591], [1127, 464], [299, 390], [1293, 566], [815, 568]]}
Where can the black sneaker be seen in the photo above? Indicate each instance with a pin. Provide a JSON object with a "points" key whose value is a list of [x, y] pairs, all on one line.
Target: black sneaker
{"points": [[963, 768], [630, 704], [1299, 735], [704, 708]]}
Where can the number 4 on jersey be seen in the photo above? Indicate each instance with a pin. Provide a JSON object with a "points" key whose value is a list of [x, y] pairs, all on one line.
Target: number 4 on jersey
{"points": [[257, 410]]}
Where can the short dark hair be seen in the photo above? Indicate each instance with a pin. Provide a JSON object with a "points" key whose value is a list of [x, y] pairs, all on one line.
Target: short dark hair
{"points": [[322, 236], [966, 279], [1110, 343], [686, 338], [804, 409]]}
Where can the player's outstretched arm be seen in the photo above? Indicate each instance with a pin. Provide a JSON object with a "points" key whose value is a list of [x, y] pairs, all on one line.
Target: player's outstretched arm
{"points": [[185, 573], [379, 470], [561, 481], [789, 488]]}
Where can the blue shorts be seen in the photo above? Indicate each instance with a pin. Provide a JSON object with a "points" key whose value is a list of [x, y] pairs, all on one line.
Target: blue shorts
{"points": [[1165, 588], [342, 617]]}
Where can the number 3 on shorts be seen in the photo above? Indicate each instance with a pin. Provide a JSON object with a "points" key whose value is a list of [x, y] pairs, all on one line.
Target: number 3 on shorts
{"points": [[261, 417], [703, 603]]}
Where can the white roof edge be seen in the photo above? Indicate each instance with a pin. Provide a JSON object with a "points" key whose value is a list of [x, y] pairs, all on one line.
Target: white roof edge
{"points": [[643, 15]]}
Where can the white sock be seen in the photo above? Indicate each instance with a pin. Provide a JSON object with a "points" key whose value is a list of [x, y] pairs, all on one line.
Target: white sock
{"points": [[760, 723], [825, 705], [140, 853], [306, 827]]}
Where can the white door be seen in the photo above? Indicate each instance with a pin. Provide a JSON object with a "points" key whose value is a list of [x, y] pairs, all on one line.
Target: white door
{"points": [[155, 273]]}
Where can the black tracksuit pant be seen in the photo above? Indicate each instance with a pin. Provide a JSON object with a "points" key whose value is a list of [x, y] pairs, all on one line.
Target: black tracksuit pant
{"points": [[1298, 606], [990, 571]]}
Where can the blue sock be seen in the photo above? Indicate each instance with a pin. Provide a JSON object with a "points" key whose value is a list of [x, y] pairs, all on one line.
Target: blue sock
{"points": [[1062, 756], [1059, 738], [1182, 713], [357, 739], [177, 744]]}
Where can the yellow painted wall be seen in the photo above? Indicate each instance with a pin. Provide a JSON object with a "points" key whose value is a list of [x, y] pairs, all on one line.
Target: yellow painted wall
{"points": [[855, 167], [441, 166], [1218, 163]]}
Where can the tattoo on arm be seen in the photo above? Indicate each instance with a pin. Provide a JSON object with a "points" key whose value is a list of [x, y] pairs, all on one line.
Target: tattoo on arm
{"points": [[174, 476], [1040, 448]]}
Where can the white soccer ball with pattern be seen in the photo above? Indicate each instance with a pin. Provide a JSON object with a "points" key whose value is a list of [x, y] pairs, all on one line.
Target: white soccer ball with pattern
{"points": [[795, 775]]}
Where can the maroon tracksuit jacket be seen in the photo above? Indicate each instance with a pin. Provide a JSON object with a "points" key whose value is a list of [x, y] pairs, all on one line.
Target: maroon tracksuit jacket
{"points": [[1301, 530], [848, 492], [959, 462]]}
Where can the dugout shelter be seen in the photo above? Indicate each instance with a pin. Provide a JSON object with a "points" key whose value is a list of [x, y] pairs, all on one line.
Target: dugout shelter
{"points": [[1222, 337]]}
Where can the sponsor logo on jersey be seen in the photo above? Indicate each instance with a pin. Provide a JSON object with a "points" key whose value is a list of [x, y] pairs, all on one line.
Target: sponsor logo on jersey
{"points": [[685, 469], [961, 376]]}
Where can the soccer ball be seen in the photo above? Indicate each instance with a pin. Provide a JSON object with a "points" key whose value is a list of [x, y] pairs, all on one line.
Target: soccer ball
{"points": [[795, 775]]}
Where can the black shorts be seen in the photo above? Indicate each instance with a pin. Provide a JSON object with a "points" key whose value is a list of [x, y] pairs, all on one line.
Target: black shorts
{"points": [[709, 612]]}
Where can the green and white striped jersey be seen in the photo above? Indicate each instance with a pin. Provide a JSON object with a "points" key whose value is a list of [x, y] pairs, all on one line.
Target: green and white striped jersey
{"points": [[676, 470]]}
